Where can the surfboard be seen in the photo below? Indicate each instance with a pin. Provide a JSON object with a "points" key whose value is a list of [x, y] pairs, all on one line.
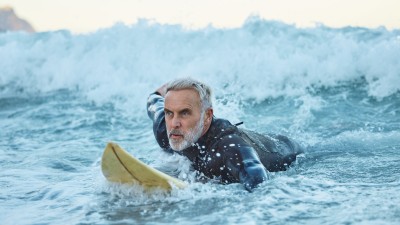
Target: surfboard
{"points": [[119, 166]]}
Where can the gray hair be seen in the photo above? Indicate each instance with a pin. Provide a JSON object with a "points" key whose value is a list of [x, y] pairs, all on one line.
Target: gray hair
{"points": [[202, 89]]}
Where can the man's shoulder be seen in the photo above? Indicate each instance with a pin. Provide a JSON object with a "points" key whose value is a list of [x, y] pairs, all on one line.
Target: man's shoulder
{"points": [[220, 128], [220, 122]]}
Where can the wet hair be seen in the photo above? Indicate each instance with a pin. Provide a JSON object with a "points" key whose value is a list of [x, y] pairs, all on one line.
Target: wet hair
{"points": [[202, 89]]}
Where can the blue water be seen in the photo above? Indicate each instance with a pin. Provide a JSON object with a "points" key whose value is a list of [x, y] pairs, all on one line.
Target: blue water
{"points": [[64, 96]]}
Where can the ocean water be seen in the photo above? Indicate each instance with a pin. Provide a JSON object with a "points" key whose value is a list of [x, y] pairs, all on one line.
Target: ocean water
{"points": [[63, 96]]}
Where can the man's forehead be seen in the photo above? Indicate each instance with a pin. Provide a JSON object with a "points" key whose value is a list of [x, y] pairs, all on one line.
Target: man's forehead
{"points": [[185, 97], [189, 94]]}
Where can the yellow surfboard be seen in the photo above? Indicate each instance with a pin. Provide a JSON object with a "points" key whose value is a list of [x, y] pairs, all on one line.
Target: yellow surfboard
{"points": [[119, 166]]}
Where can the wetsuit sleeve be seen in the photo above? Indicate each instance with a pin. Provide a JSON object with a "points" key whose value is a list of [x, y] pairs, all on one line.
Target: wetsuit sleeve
{"points": [[243, 162], [155, 111]]}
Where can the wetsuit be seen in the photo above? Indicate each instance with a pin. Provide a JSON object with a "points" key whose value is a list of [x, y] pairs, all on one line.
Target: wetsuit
{"points": [[226, 152]]}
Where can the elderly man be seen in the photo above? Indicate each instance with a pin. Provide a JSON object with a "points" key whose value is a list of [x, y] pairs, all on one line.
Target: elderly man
{"points": [[183, 122]]}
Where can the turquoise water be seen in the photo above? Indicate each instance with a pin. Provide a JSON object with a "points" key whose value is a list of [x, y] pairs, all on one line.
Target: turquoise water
{"points": [[336, 91]]}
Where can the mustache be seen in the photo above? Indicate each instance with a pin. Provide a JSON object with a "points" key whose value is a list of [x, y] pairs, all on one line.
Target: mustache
{"points": [[175, 132]]}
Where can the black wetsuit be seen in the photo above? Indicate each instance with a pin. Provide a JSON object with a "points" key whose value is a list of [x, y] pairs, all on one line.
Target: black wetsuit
{"points": [[227, 152]]}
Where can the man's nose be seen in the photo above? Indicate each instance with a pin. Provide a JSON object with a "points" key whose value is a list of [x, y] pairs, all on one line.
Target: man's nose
{"points": [[176, 122]]}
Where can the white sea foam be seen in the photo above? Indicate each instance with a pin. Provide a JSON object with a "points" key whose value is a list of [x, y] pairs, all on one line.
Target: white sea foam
{"points": [[259, 60]]}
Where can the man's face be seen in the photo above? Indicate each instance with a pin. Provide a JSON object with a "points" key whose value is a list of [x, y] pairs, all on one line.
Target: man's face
{"points": [[184, 118]]}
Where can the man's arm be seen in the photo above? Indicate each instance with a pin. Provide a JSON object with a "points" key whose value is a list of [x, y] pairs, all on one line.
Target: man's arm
{"points": [[155, 111], [253, 172], [243, 162]]}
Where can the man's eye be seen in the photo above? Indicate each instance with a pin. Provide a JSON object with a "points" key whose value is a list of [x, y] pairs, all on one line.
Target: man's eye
{"points": [[167, 113]]}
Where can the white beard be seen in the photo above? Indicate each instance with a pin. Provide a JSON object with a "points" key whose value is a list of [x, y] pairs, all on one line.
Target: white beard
{"points": [[189, 138]]}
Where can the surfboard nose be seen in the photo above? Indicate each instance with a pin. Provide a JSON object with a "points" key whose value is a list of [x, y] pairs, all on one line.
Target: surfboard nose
{"points": [[119, 166]]}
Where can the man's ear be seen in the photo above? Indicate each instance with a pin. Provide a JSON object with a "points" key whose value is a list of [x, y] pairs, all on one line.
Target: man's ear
{"points": [[209, 115]]}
